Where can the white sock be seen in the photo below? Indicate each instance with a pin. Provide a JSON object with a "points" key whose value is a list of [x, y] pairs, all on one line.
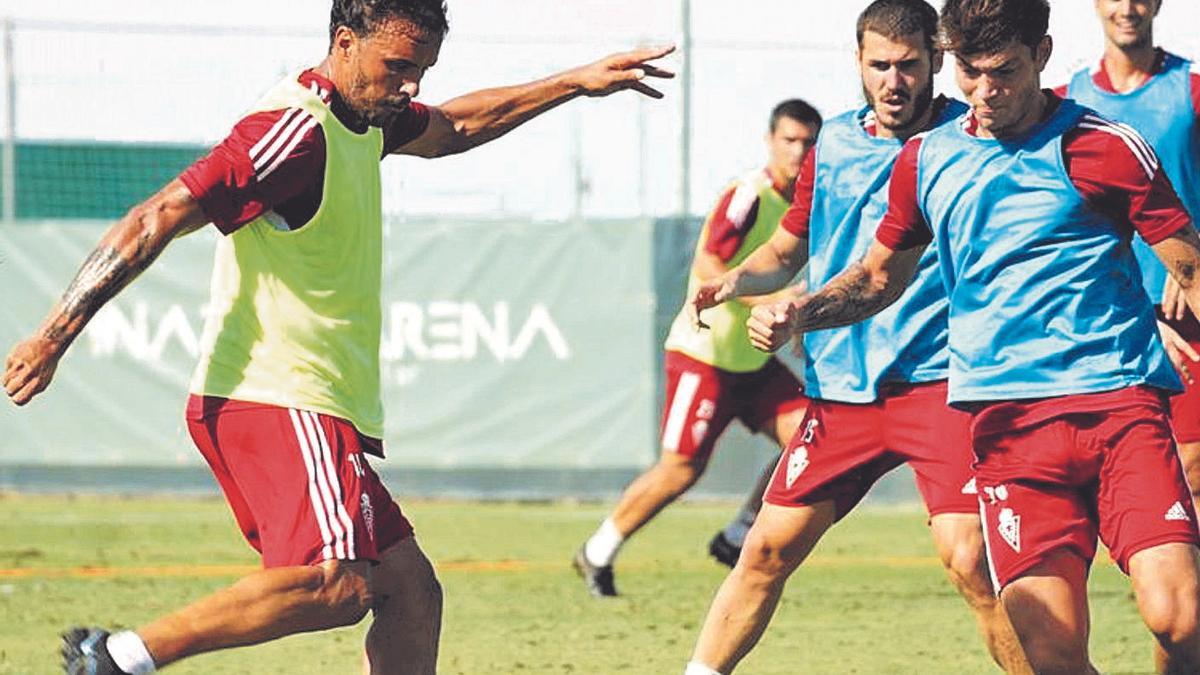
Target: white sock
{"points": [[696, 668], [130, 653], [603, 546], [735, 531]]}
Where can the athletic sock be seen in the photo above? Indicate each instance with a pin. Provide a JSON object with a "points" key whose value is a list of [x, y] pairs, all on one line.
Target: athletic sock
{"points": [[604, 544], [129, 653], [735, 531], [696, 668]]}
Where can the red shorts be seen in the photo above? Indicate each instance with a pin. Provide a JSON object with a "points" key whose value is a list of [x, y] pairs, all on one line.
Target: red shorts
{"points": [[1055, 473], [298, 482], [1185, 407], [702, 400], [842, 449]]}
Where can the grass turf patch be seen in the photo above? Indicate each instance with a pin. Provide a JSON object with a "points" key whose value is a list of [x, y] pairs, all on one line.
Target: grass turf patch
{"points": [[873, 598]]}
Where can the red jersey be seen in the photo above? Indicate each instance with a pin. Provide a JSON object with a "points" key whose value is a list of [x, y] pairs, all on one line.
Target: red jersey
{"points": [[730, 221], [273, 162]]}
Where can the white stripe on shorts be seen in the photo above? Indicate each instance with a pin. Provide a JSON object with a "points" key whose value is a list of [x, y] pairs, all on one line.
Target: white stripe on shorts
{"points": [[313, 493], [329, 511], [334, 481], [681, 402], [987, 549]]}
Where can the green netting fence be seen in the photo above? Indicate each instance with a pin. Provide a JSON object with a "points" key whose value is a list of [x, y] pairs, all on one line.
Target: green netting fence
{"points": [[92, 180]]}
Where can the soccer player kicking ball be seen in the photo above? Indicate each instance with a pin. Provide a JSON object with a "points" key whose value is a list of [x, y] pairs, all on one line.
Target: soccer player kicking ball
{"points": [[285, 402], [715, 377], [1158, 94], [1031, 201], [877, 389]]}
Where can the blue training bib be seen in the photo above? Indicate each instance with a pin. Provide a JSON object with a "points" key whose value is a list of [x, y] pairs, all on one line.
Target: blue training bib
{"points": [[1045, 294]]}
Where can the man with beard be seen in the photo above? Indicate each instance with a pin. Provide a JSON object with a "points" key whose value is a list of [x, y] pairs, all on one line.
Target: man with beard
{"points": [[877, 390], [285, 402], [1158, 94], [717, 377], [1031, 201]]}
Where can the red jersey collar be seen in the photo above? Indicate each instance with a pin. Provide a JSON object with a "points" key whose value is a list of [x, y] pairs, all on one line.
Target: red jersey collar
{"points": [[971, 125], [323, 87], [937, 107], [1100, 75]]}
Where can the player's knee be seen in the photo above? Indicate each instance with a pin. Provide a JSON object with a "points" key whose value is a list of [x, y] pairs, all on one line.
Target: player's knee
{"points": [[764, 559], [346, 593], [967, 567], [1170, 612], [680, 473]]}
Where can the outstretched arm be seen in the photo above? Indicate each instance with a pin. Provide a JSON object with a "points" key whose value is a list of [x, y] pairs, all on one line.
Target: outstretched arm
{"points": [[770, 267], [474, 119], [861, 291], [767, 270], [126, 249]]}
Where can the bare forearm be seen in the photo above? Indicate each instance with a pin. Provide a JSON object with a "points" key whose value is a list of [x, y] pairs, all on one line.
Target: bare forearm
{"points": [[767, 271], [485, 115], [1180, 254], [852, 296], [123, 253]]}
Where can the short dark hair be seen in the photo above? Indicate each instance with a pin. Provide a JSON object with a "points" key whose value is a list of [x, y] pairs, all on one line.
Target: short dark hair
{"points": [[898, 18], [364, 16], [989, 26], [796, 109]]}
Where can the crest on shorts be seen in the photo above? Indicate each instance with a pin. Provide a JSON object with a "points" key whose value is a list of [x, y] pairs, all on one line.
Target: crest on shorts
{"points": [[368, 514], [797, 463], [699, 429], [1009, 528], [706, 409]]}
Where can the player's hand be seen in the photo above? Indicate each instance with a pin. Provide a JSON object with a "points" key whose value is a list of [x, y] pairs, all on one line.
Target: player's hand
{"points": [[770, 326], [627, 70], [29, 368], [1179, 351], [1174, 301], [710, 294]]}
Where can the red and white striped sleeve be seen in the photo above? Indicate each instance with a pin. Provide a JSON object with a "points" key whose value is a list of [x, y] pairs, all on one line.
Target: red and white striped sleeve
{"points": [[271, 161], [1118, 173], [728, 222]]}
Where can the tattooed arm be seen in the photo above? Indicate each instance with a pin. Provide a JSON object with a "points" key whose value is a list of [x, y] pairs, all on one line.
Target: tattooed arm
{"points": [[861, 291], [126, 249], [1180, 253]]}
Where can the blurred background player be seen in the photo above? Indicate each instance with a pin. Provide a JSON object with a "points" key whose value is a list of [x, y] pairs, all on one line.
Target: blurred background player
{"points": [[1158, 94], [716, 377], [1031, 200], [286, 401], [877, 389]]}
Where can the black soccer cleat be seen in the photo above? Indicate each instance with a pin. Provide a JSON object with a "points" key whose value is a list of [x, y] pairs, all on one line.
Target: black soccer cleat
{"points": [[599, 580], [85, 652], [723, 550]]}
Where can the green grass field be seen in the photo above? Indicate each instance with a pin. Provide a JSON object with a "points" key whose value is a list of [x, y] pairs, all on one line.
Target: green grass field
{"points": [[872, 600]]}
